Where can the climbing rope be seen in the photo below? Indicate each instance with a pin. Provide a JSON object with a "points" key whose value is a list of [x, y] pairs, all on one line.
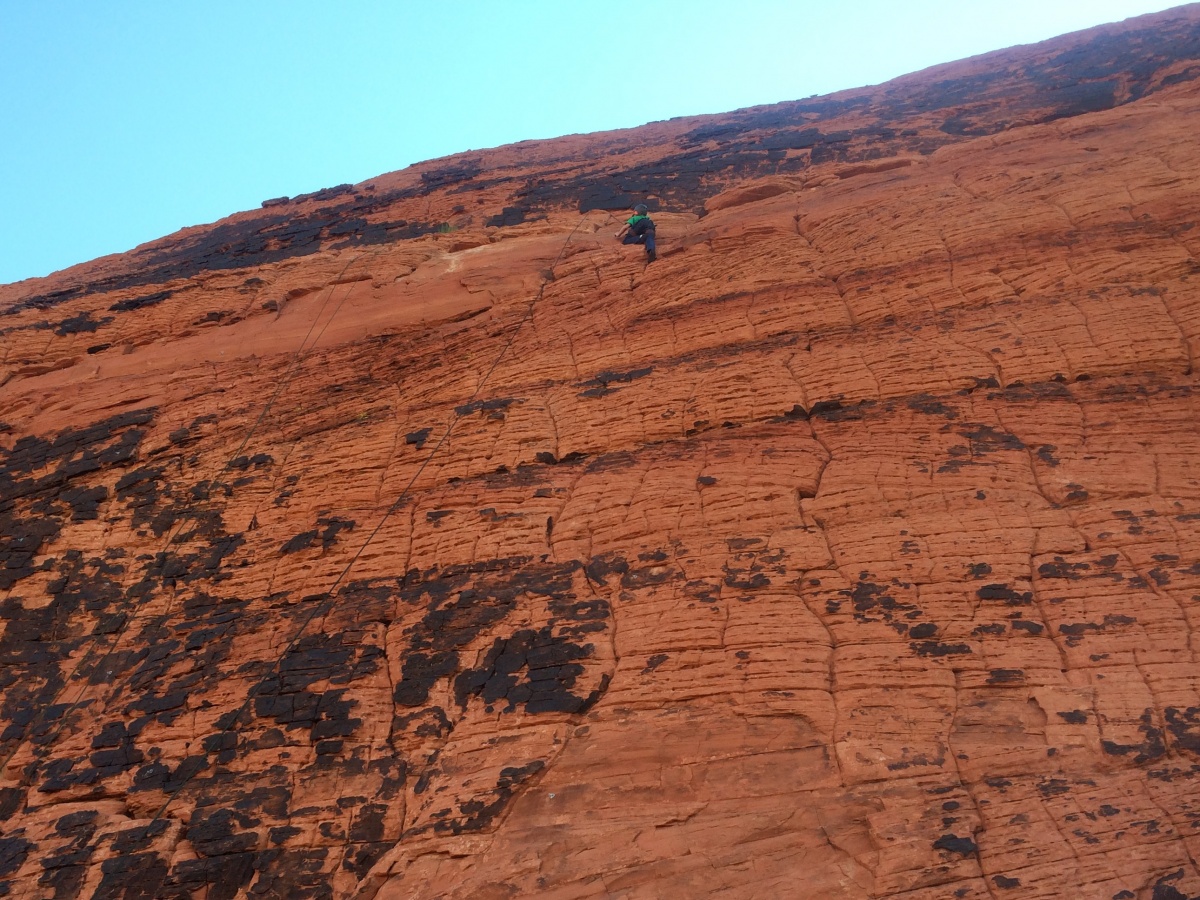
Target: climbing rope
{"points": [[324, 606]]}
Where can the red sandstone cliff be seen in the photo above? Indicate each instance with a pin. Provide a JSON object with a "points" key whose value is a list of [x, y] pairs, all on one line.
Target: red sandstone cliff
{"points": [[415, 539]]}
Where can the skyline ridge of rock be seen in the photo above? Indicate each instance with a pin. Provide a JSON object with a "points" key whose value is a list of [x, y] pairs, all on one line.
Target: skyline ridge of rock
{"points": [[416, 539]]}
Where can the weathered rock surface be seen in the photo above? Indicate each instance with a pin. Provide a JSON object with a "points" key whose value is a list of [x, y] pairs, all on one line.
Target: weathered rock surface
{"points": [[415, 539]]}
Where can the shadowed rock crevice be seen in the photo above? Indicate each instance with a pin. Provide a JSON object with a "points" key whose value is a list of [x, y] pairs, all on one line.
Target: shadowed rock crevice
{"points": [[417, 539]]}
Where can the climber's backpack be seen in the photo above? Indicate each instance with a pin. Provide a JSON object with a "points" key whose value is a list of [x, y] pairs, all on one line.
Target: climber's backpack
{"points": [[640, 225]]}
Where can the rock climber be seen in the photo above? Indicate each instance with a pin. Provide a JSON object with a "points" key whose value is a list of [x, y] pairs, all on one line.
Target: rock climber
{"points": [[639, 229]]}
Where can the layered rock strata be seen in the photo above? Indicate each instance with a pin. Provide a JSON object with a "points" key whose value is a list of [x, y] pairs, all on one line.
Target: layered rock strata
{"points": [[416, 539]]}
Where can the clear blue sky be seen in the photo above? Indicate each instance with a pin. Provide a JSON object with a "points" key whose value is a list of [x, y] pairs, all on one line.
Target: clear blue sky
{"points": [[125, 120]]}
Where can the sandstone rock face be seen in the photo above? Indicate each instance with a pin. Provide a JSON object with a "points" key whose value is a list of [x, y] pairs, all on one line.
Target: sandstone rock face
{"points": [[417, 540]]}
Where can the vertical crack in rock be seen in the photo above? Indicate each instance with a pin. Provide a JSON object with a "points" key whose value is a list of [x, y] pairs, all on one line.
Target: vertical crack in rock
{"points": [[885, 466]]}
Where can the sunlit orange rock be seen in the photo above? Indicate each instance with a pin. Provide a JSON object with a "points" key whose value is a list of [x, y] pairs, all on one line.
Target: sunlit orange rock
{"points": [[416, 539]]}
